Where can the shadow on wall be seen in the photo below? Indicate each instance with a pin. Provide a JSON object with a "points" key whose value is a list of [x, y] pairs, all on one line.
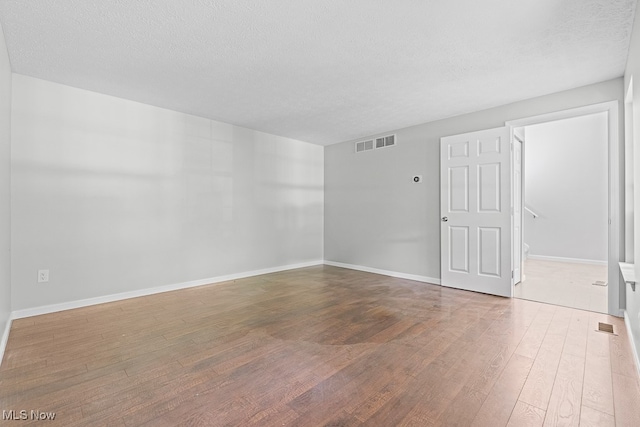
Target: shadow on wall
{"points": [[113, 196]]}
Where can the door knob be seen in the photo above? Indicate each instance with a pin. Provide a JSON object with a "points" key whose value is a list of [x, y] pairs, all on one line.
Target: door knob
{"points": [[445, 219]]}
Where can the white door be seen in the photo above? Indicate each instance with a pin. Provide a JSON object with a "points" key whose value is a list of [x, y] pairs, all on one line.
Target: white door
{"points": [[475, 208], [517, 210]]}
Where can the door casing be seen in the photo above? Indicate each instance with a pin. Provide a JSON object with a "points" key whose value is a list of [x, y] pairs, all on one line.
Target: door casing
{"points": [[616, 293]]}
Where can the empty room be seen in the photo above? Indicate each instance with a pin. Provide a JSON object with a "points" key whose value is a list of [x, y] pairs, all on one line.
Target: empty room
{"points": [[319, 213]]}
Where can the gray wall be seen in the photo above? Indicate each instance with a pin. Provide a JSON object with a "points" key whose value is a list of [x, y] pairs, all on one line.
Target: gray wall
{"points": [[633, 70], [566, 183], [376, 217], [5, 186], [115, 196]]}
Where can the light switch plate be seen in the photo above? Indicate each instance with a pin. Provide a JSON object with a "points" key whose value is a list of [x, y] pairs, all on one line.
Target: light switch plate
{"points": [[43, 276]]}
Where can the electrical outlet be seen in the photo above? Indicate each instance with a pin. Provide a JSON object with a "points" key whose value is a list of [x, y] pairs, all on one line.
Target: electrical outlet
{"points": [[43, 276]]}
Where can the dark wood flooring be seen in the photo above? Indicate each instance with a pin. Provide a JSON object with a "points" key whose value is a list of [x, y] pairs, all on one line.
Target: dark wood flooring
{"points": [[321, 346]]}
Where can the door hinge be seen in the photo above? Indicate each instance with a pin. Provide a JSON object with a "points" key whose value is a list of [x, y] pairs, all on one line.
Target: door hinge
{"points": [[512, 274]]}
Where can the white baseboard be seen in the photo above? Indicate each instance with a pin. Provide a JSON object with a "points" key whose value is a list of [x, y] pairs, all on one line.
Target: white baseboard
{"points": [[53, 308], [5, 338], [631, 341], [562, 259], [385, 272]]}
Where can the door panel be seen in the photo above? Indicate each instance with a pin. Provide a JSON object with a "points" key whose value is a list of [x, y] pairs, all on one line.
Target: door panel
{"points": [[459, 258], [489, 251], [489, 187], [489, 145], [475, 205], [459, 189], [460, 149]]}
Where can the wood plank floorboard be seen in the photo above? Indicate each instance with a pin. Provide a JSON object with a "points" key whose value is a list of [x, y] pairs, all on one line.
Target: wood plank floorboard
{"points": [[321, 346]]}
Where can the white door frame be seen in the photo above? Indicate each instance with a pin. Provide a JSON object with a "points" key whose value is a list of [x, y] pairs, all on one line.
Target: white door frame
{"points": [[616, 295], [518, 209]]}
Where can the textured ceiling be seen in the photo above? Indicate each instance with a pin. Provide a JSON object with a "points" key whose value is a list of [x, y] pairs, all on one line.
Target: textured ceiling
{"points": [[320, 71]]}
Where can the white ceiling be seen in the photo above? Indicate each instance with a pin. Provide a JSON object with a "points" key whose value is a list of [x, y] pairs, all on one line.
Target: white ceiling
{"points": [[320, 71]]}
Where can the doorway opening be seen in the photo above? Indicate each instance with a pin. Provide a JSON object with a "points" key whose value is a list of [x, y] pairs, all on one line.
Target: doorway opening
{"points": [[479, 250], [562, 244]]}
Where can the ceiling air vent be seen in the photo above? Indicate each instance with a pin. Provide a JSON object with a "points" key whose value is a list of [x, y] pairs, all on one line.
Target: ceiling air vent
{"points": [[364, 145], [385, 141], [389, 140], [381, 142]]}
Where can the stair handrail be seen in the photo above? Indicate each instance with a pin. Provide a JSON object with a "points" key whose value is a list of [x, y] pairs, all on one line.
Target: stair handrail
{"points": [[533, 214]]}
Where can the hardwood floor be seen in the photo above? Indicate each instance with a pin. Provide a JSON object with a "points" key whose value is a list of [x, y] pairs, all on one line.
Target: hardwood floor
{"points": [[321, 346]]}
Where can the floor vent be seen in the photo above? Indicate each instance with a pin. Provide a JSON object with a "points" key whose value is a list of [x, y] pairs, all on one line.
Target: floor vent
{"points": [[605, 327], [599, 283]]}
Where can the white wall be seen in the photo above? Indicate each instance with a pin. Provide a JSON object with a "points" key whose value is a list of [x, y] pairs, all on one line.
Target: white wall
{"points": [[5, 186], [115, 196], [633, 70], [376, 217], [566, 184]]}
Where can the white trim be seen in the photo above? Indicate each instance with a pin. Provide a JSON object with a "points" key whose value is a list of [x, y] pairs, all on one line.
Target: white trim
{"points": [[5, 338], [563, 259], [629, 174], [46, 309], [615, 295], [564, 114], [415, 277], [631, 341]]}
